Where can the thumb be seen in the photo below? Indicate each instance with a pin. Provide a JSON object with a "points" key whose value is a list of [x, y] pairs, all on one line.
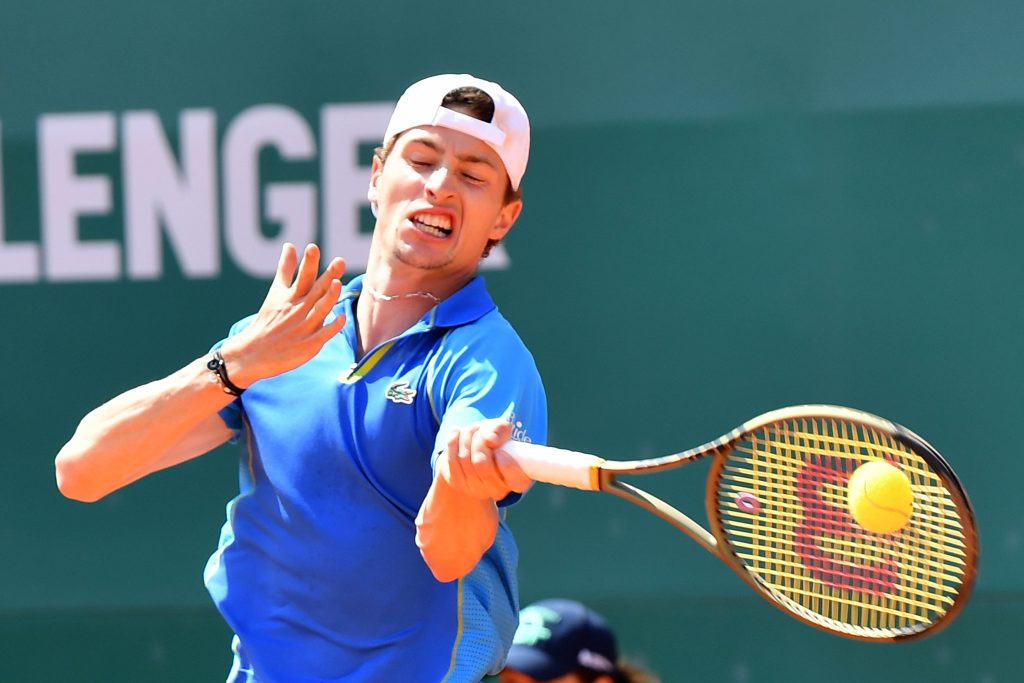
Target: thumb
{"points": [[496, 432]]}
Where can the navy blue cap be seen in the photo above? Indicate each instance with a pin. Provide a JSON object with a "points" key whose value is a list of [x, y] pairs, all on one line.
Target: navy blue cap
{"points": [[556, 637]]}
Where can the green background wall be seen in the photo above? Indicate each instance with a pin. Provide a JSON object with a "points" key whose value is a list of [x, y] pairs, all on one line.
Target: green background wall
{"points": [[731, 206]]}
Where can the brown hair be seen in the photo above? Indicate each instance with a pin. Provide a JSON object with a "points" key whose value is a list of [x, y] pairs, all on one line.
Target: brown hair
{"points": [[478, 104]]}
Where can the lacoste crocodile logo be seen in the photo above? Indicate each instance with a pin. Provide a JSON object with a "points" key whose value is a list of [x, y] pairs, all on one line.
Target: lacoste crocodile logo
{"points": [[399, 392]]}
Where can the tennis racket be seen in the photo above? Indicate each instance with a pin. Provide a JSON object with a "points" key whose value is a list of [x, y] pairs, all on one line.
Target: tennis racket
{"points": [[776, 501]]}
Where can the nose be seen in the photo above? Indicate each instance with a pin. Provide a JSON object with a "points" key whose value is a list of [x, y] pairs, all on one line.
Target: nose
{"points": [[438, 183]]}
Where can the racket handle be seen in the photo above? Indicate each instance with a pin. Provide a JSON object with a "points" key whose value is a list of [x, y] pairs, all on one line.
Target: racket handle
{"points": [[556, 465]]}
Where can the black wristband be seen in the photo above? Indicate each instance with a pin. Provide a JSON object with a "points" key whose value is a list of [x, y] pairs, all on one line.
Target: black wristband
{"points": [[219, 374]]}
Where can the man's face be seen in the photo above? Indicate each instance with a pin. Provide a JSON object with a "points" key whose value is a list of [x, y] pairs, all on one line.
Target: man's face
{"points": [[440, 198]]}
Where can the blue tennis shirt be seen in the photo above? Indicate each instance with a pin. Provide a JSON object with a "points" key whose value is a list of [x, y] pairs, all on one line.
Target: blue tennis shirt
{"points": [[317, 570]]}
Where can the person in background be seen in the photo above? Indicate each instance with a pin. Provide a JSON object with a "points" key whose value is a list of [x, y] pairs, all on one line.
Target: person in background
{"points": [[564, 641]]}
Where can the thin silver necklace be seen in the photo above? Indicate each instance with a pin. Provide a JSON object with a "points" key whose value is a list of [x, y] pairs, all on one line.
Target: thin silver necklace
{"points": [[380, 296]]}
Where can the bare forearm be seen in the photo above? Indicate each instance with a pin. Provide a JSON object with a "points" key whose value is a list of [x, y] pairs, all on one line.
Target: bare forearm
{"points": [[454, 530], [173, 419], [142, 430], [458, 520]]}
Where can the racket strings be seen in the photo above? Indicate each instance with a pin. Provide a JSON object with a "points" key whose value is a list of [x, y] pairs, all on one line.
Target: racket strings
{"points": [[789, 511], [782, 505]]}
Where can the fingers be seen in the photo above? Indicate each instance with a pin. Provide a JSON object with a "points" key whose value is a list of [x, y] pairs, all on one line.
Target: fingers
{"points": [[478, 473], [286, 265], [475, 468], [497, 432], [305, 281], [308, 269], [327, 331], [323, 305], [445, 465], [335, 269], [325, 295], [511, 472], [512, 476]]}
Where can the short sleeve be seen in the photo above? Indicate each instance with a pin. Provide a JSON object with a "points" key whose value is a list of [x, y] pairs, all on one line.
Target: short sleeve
{"points": [[489, 376]]}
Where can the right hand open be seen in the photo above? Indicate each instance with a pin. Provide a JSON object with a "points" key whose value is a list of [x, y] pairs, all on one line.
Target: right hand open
{"points": [[289, 328]]}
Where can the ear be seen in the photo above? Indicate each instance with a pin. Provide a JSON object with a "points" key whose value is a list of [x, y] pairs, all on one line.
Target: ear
{"points": [[506, 217], [375, 171]]}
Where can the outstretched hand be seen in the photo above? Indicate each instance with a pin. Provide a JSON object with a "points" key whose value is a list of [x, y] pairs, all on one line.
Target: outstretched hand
{"points": [[290, 327]]}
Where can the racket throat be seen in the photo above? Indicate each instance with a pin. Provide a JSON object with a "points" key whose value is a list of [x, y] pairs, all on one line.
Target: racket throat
{"points": [[668, 513]]}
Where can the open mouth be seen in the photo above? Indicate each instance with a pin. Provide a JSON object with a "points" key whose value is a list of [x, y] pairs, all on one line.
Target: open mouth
{"points": [[433, 224]]}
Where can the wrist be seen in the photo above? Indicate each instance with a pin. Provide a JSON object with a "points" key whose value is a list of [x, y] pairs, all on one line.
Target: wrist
{"points": [[217, 368]]}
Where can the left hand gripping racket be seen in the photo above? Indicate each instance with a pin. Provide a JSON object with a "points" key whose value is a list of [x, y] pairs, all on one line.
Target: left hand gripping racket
{"points": [[776, 503]]}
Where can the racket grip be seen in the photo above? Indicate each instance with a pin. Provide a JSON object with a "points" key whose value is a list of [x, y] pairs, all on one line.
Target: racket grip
{"points": [[556, 465]]}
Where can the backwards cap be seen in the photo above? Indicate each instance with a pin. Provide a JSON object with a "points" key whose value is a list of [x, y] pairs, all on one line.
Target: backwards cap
{"points": [[508, 133], [555, 637]]}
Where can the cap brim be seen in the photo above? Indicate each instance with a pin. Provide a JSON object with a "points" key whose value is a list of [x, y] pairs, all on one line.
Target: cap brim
{"points": [[536, 663]]}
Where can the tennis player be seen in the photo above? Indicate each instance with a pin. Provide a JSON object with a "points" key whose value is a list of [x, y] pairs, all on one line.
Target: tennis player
{"points": [[368, 540], [564, 641]]}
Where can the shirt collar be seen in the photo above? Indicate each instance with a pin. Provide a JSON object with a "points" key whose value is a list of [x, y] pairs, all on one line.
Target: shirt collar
{"points": [[470, 303]]}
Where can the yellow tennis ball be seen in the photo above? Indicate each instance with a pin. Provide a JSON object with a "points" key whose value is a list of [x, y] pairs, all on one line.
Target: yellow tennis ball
{"points": [[880, 497]]}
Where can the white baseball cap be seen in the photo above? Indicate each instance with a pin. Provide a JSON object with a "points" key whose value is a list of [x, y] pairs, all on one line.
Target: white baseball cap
{"points": [[508, 132]]}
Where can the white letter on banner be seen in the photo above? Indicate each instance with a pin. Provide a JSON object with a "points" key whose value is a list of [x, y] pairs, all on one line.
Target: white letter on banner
{"points": [[65, 196], [343, 127], [18, 262], [292, 204], [181, 198]]}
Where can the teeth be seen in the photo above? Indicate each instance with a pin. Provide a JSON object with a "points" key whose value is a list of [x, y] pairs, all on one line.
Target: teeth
{"points": [[436, 232], [434, 224], [435, 220]]}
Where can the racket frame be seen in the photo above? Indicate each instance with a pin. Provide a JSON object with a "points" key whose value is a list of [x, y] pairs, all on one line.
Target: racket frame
{"points": [[605, 477]]}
